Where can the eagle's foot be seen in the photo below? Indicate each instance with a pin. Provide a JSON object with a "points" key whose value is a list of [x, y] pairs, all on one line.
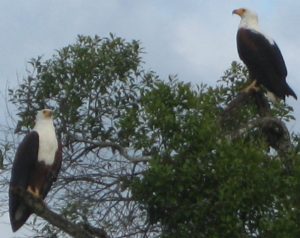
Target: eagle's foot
{"points": [[253, 87], [34, 191]]}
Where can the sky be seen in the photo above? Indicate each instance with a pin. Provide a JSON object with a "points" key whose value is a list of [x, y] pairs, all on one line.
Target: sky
{"points": [[193, 39]]}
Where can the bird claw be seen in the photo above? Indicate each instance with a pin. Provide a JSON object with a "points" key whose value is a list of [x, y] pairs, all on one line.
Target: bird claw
{"points": [[34, 192], [253, 87]]}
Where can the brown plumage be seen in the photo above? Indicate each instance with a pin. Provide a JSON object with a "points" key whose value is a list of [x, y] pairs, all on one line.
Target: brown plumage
{"points": [[35, 168], [262, 56]]}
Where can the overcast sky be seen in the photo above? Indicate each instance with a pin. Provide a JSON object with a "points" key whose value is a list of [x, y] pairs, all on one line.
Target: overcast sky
{"points": [[194, 39]]}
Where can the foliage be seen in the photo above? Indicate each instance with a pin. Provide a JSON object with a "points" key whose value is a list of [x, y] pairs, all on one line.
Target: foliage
{"points": [[145, 157], [202, 184], [92, 85]]}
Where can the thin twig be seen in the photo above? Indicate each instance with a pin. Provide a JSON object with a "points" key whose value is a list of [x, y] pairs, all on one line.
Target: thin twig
{"points": [[115, 146]]}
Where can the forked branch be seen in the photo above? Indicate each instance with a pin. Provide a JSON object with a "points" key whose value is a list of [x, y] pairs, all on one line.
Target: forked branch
{"points": [[274, 130]]}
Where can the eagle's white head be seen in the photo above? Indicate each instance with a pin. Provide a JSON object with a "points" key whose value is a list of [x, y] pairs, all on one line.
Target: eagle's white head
{"points": [[249, 19], [44, 114]]}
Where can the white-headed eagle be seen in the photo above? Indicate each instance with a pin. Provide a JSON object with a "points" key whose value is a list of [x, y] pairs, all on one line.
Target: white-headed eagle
{"points": [[262, 57], [35, 167]]}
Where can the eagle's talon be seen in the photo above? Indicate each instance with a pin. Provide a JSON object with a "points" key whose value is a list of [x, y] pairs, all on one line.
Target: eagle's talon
{"points": [[253, 87], [34, 191]]}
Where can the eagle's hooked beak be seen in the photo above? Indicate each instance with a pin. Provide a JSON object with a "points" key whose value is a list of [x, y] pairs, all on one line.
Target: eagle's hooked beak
{"points": [[47, 113], [239, 11]]}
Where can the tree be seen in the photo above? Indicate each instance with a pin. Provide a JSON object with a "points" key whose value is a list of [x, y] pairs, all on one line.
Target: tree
{"points": [[145, 157], [225, 167], [92, 85]]}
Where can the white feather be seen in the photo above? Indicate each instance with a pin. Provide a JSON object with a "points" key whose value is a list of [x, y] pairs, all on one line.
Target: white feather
{"points": [[249, 20], [271, 96], [47, 138]]}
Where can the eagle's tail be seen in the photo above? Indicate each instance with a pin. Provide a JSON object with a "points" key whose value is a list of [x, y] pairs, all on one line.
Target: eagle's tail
{"points": [[290, 92], [18, 212]]}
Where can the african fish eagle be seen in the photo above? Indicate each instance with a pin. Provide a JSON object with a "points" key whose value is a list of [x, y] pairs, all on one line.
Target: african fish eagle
{"points": [[35, 167], [262, 57]]}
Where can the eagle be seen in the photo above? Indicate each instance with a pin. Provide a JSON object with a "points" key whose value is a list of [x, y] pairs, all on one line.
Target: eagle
{"points": [[262, 57], [36, 166]]}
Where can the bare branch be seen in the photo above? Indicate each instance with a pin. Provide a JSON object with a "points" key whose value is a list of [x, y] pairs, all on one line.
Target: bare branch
{"points": [[243, 99], [115, 146], [275, 131], [75, 230]]}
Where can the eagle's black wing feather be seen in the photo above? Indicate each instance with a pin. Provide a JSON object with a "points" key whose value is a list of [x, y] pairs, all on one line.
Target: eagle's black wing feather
{"points": [[25, 159], [264, 61]]}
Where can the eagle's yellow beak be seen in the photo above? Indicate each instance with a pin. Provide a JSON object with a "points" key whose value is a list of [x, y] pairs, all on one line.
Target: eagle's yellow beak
{"points": [[239, 11], [47, 113]]}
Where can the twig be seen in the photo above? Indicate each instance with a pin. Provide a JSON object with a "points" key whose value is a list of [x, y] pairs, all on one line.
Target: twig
{"points": [[115, 146]]}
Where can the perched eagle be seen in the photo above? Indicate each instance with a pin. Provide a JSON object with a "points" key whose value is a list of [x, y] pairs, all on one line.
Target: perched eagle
{"points": [[35, 168], [261, 56]]}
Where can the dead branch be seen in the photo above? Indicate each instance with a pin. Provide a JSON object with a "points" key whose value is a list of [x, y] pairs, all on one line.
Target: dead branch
{"points": [[273, 129], [75, 230], [243, 99]]}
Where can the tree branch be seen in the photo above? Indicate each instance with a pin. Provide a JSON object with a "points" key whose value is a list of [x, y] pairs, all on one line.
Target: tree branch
{"points": [[75, 230], [115, 146], [274, 129], [245, 98], [276, 133]]}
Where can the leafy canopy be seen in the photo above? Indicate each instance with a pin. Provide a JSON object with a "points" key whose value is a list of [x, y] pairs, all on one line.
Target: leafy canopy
{"points": [[202, 181], [145, 156]]}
